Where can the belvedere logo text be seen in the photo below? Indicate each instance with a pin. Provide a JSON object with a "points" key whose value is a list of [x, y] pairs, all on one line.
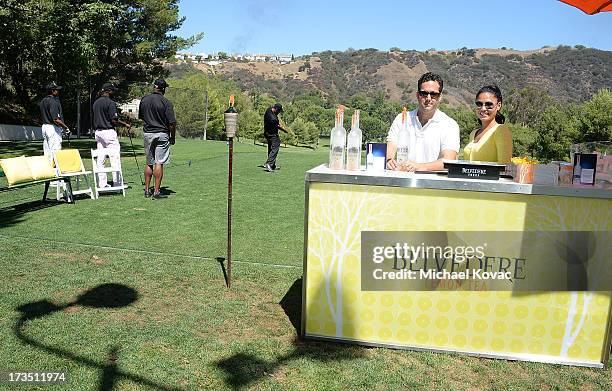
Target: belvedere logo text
{"points": [[466, 260]]}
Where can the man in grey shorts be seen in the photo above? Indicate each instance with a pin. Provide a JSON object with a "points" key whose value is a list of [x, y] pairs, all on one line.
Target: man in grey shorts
{"points": [[159, 133]]}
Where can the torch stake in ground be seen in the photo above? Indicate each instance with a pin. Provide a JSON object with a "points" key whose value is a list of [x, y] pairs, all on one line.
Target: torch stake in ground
{"points": [[231, 124]]}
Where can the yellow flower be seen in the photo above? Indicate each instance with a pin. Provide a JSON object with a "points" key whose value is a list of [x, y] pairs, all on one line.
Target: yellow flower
{"points": [[524, 160]]}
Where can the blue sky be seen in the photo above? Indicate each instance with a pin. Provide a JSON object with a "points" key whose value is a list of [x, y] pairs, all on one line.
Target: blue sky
{"points": [[306, 26]]}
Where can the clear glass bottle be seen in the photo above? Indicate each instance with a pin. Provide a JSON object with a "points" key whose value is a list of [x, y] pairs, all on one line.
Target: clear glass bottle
{"points": [[353, 145], [403, 140], [370, 159], [577, 169], [337, 142]]}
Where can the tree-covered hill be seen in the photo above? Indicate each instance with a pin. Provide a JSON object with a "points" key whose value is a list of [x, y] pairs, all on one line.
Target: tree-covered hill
{"points": [[569, 75]]}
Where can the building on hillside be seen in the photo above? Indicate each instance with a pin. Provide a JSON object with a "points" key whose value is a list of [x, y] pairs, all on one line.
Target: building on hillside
{"points": [[284, 58], [260, 57], [130, 108]]}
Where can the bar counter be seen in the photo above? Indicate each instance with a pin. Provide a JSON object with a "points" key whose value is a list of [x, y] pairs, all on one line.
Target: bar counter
{"points": [[556, 326], [440, 181]]}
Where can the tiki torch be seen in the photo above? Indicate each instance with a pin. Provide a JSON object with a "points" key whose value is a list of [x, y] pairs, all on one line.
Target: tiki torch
{"points": [[231, 125]]}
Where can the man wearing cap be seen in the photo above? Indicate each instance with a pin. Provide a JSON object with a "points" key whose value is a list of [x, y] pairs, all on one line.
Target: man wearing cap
{"points": [[105, 118], [271, 127], [53, 120], [159, 133]]}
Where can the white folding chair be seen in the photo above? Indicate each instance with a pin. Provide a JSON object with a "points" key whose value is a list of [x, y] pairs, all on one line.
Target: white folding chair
{"points": [[115, 170], [68, 163]]}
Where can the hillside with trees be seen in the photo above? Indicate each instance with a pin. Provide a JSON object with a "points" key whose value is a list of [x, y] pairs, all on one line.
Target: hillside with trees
{"points": [[554, 97], [541, 126], [568, 75]]}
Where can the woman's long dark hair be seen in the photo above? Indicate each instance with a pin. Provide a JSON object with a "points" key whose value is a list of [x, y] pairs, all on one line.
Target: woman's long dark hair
{"points": [[493, 89]]}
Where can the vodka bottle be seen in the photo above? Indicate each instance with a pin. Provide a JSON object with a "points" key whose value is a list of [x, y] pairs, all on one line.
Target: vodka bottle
{"points": [[577, 169], [353, 145], [403, 140], [337, 143], [370, 159]]}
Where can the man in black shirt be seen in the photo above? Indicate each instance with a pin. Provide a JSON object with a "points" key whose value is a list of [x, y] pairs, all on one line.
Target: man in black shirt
{"points": [[159, 133], [105, 118], [271, 127], [53, 120]]}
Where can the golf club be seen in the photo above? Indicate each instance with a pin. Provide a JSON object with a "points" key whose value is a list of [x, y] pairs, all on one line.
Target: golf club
{"points": [[66, 134], [135, 158]]}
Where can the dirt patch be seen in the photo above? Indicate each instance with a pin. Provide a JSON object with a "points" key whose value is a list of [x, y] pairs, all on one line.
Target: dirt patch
{"points": [[294, 68], [72, 309], [479, 52], [268, 70], [282, 373], [60, 297], [261, 316], [97, 260], [500, 52], [315, 63], [396, 72]]}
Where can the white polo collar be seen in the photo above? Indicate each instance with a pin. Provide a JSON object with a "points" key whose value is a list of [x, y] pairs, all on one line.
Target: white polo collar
{"points": [[437, 117]]}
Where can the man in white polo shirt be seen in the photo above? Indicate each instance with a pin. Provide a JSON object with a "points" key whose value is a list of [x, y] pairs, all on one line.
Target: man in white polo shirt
{"points": [[432, 135]]}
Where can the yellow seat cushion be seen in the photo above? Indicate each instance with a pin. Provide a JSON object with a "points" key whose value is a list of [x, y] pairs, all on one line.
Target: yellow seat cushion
{"points": [[40, 167], [68, 160], [16, 170]]}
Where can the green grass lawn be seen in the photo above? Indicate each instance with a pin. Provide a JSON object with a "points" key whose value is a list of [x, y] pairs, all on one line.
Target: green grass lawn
{"points": [[127, 294]]}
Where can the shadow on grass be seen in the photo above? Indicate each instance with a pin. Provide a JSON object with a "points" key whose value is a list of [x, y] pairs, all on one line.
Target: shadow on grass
{"points": [[165, 190], [102, 296], [242, 369], [12, 215], [221, 261], [84, 145], [131, 147], [18, 148], [291, 303]]}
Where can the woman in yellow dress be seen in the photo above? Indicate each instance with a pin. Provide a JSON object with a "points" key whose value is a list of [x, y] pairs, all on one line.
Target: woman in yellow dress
{"points": [[492, 142]]}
